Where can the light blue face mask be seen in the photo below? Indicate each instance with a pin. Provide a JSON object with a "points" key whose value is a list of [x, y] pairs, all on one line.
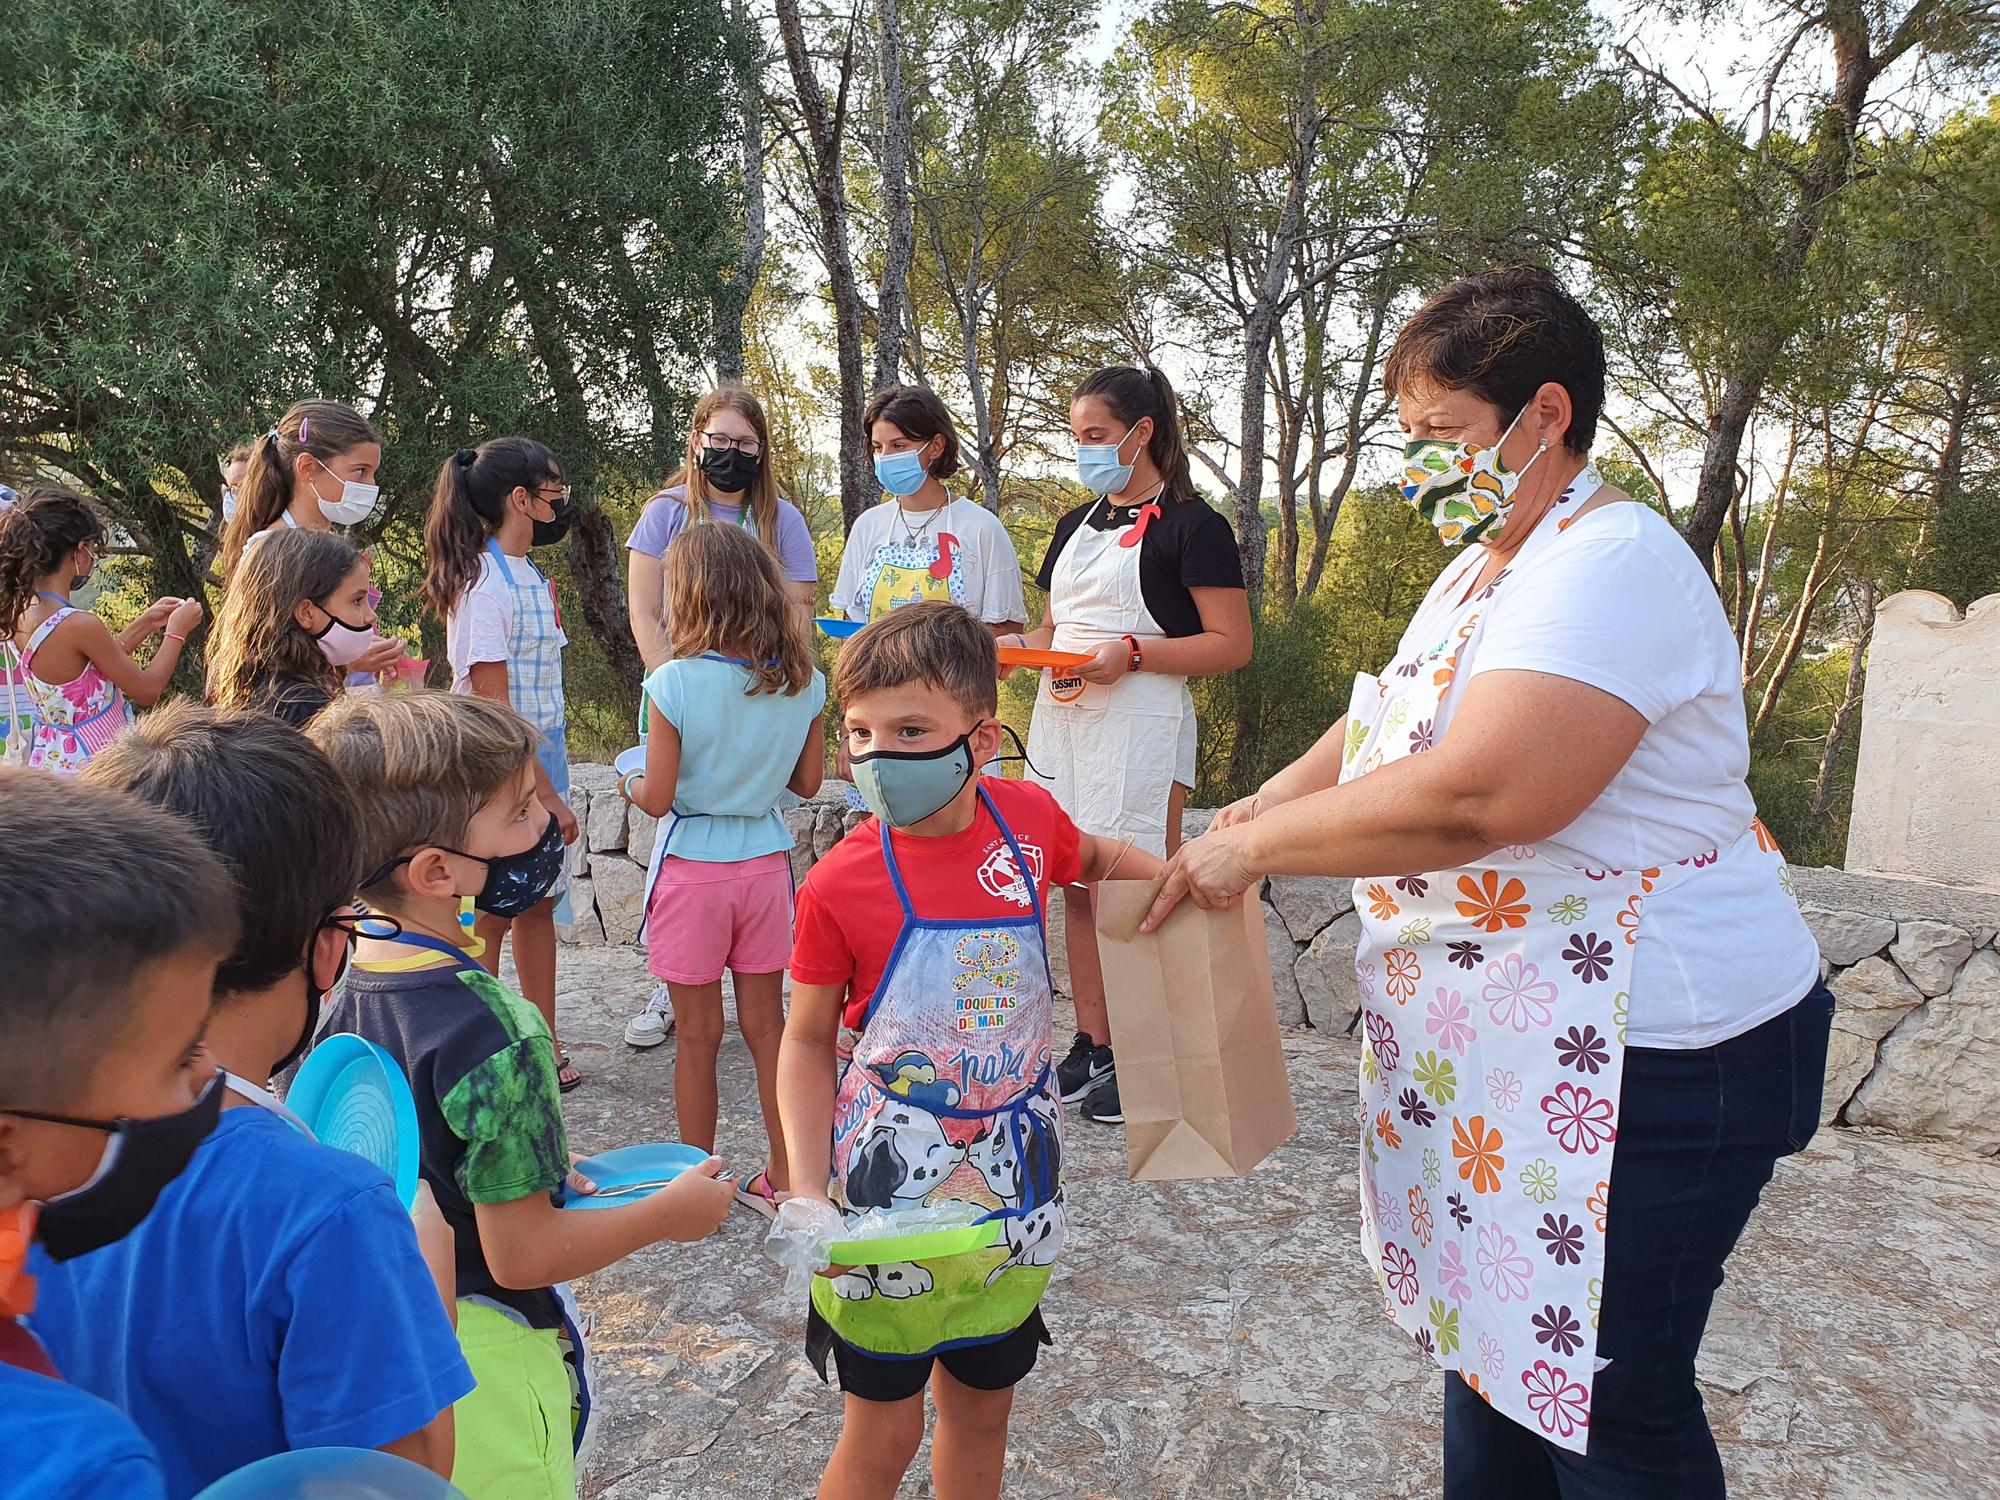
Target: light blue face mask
{"points": [[901, 474], [902, 787], [1097, 466]]}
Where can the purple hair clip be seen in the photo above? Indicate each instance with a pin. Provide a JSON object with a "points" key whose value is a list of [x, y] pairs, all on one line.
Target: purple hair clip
{"points": [[304, 423]]}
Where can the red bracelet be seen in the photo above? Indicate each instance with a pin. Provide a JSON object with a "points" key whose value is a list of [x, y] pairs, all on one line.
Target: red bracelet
{"points": [[172, 637], [1138, 657]]}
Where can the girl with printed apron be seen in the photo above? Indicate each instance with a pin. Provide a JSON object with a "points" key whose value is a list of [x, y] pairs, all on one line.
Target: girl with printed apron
{"points": [[503, 633], [921, 542], [72, 682], [1576, 1075], [1146, 580]]}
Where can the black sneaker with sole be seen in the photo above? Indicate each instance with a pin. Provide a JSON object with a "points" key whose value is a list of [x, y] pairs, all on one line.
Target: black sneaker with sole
{"points": [[1085, 1064], [1100, 1105]]}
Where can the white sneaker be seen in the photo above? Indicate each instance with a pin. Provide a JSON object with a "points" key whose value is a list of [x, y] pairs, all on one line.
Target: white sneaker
{"points": [[653, 1024]]}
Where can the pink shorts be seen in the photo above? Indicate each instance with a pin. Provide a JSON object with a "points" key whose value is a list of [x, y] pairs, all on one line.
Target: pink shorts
{"points": [[705, 918]]}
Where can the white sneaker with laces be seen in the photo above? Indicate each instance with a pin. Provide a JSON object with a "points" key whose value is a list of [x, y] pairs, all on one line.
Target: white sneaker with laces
{"points": [[653, 1024]]}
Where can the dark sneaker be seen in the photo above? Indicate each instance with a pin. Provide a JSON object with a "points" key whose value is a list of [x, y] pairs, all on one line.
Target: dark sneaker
{"points": [[1101, 1104], [1082, 1068]]}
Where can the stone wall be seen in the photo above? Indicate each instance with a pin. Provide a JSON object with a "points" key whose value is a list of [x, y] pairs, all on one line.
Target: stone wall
{"points": [[1924, 803], [1913, 966]]}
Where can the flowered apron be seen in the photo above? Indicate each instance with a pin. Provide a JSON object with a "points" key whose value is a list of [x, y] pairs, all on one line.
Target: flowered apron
{"points": [[1494, 1002], [949, 1095], [911, 571], [75, 719], [535, 642]]}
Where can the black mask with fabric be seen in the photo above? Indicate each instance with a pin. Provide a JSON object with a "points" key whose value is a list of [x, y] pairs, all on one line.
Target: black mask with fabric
{"points": [[728, 471], [548, 533]]}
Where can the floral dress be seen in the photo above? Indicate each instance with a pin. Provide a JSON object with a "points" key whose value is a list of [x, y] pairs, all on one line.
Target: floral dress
{"points": [[1494, 999], [74, 719]]}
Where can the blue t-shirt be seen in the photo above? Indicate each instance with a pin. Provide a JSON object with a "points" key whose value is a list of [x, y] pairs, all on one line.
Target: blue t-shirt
{"points": [[58, 1440], [737, 752], [274, 1299]]}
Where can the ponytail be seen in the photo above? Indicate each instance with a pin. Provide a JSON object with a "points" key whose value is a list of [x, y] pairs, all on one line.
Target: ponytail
{"points": [[36, 533], [467, 507], [325, 429], [1135, 394]]}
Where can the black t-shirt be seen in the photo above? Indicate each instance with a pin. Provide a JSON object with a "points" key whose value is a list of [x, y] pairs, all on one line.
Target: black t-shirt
{"points": [[1186, 546], [293, 699], [483, 1067]]}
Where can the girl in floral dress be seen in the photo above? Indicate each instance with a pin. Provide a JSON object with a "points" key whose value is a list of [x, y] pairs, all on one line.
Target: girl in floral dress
{"points": [[82, 680]]}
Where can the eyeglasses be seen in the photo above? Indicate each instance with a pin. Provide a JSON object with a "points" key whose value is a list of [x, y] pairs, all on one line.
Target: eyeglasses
{"points": [[561, 495], [715, 442]]}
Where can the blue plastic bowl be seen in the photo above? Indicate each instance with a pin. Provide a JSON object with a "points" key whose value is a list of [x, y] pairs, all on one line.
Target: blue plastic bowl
{"points": [[331, 1474], [629, 761], [353, 1095], [840, 630], [659, 1161]]}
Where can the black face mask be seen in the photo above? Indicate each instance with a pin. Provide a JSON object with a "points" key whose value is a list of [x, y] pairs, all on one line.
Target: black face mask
{"points": [[140, 1159], [514, 882], [315, 995], [729, 471], [548, 533]]}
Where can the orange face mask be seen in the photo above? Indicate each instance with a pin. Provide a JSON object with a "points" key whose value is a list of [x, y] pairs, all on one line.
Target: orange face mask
{"points": [[17, 1233]]}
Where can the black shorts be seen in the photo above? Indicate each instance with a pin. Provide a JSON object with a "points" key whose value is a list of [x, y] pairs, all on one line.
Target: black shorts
{"points": [[997, 1365]]}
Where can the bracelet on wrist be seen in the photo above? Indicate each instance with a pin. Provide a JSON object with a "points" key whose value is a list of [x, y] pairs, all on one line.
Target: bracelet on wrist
{"points": [[169, 635]]}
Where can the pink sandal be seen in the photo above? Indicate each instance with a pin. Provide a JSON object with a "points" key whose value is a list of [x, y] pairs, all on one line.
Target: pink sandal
{"points": [[755, 1191]]}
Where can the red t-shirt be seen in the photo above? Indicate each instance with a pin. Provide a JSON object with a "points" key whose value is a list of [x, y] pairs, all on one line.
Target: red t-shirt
{"points": [[848, 916]]}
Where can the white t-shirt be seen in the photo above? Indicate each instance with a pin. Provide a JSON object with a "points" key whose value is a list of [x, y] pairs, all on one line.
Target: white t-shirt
{"points": [[988, 571], [1624, 606], [480, 628]]}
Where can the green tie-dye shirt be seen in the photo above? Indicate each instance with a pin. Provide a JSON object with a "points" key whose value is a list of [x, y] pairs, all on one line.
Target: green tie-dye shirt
{"points": [[483, 1067]]}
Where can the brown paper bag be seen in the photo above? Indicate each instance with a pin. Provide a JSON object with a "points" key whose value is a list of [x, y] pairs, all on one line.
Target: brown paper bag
{"points": [[1195, 1026]]}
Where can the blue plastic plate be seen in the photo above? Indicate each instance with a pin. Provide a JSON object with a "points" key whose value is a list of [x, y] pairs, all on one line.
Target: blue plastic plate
{"points": [[350, 1473], [840, 630], [353, 1095], [659, 1161], [630, 760]]}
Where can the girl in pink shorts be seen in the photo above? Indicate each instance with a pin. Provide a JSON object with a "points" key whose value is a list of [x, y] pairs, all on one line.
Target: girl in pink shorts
{"points": [[733, 720]]}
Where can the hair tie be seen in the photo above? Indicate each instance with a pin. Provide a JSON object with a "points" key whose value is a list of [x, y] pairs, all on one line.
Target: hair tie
{"points": [[275, 436], [465, 458]]}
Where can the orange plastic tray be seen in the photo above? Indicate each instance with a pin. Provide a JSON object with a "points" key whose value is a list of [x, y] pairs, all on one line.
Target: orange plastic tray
{"points": [[1028, 656]]}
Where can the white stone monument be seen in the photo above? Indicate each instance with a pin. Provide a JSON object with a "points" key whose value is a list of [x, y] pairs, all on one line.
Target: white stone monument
{"points": [[1926, 800]]}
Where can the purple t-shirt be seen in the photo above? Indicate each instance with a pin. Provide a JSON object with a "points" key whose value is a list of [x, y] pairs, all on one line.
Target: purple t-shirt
{"points": [[666, 515]]}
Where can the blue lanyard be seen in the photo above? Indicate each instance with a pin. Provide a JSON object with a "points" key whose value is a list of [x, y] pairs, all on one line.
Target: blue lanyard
{"points": [[58, 598], [419, 940]]}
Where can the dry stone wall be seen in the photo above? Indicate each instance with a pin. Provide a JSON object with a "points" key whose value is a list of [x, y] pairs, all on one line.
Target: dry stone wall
{"points": [[1912, 965]]}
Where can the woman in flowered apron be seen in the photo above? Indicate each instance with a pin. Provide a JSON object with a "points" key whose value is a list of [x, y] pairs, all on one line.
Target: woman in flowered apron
{"points": [[1577, 1073]]}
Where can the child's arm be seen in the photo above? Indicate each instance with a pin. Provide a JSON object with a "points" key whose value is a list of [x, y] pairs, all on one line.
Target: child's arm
{"points": [[1111, 859], [811, 769], [91, 638], [807, 1073], [148, 625], [1041, 638], [652, 790], [529, 1242], [489, 680]]}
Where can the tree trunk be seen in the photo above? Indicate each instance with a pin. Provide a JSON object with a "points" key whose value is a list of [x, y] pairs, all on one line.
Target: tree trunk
{"points": [[733, 298], [900, 242], [1850, 701], [824, 130], [1826, 173], [1749, 628], [1795, 637]]}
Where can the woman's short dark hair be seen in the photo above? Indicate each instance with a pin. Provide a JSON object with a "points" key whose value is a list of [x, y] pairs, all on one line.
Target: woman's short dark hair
{"points": [[916, 411], [1503, 335]]}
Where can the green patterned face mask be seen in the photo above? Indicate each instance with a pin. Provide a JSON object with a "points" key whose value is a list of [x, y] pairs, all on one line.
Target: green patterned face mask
{"points": [[1461, 488]]}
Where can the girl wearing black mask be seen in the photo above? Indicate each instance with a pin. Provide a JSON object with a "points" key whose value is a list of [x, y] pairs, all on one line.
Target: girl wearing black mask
{"points": [[504, 636], [726, 477]]}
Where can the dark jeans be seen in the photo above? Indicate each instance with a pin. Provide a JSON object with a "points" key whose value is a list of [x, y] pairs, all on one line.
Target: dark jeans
{"points": [[1698, 1135]]}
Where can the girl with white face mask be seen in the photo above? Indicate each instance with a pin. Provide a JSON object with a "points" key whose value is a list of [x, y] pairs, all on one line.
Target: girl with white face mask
{"points": [[298, 614], [314, 470]]}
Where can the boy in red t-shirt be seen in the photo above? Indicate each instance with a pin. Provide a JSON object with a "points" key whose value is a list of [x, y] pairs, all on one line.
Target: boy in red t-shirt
{"points": [[923, 932]]}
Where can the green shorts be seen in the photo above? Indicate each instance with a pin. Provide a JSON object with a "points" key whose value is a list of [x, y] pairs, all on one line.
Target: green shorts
{"points": [[514, 1432]]}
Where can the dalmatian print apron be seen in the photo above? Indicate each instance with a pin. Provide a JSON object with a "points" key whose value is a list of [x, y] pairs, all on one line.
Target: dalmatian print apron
{"points": [[949, 1096], [1494, 999]]}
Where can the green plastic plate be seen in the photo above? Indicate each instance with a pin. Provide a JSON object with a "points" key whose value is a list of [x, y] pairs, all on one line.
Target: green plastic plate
{"points": [[934, 1244]]}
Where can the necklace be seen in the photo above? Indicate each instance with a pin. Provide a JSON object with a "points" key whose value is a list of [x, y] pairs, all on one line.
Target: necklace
{"points": [[912, 535]]}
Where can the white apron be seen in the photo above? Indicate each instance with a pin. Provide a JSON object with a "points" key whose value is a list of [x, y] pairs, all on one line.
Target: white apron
{"points": [[1110, 754], [1494, 1002]]}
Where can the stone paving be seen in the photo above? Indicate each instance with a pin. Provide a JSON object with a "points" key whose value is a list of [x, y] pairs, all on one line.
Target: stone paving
{"points": [[1223, 1339]]}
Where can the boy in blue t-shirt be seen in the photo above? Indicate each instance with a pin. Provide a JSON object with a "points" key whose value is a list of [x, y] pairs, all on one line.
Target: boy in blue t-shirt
{"points": [[302, 1312], [105, 1091]]}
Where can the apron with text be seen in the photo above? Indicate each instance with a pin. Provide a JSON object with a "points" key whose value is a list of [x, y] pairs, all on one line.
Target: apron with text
{"points": [[1494, 999], [1110, 753], [535, 642], [921, 567], [949, 1096]]}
